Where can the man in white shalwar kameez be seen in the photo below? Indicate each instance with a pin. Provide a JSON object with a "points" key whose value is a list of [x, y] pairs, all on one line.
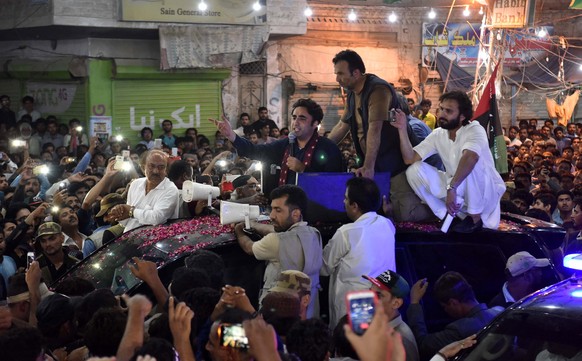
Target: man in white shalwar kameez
{"points": [[471, 185]]}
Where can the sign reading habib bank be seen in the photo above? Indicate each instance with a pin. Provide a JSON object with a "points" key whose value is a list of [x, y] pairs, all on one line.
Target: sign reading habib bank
{"points": [[510, 13], [186, 11]]}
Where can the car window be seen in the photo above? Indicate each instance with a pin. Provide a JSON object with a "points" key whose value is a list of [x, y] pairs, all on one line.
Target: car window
{"points": [[524, 336]]}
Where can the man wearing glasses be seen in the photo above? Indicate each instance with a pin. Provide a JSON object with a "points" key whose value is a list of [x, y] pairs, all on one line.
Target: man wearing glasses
{"points": [[152, 199]]}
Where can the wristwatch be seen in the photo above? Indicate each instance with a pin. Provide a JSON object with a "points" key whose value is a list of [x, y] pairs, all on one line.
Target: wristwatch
{"points": [[130, 213], [451, 187]]}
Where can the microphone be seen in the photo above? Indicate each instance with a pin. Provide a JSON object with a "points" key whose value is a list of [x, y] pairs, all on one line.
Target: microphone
{"points": [[292, 138]]}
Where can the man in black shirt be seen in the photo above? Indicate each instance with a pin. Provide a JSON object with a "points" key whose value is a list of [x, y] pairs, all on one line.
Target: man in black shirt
{"points": [[308, 153], [54, 261], [7, 116]]}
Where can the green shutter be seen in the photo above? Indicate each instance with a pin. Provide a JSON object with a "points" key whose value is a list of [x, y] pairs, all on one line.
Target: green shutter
{"points": [[12, 88], [163, 97], [78, 108]]}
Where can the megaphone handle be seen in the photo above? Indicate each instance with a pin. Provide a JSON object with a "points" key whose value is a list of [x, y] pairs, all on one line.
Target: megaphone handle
{"points": [[247, 221]]}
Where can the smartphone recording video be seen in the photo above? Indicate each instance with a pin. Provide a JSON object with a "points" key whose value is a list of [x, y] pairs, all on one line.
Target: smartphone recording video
{"points": [[233, 335], [360, 309]]}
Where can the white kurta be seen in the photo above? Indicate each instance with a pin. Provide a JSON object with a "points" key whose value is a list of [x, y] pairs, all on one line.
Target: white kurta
{"points": [[480, 192], [154, 208], [365, 247]]}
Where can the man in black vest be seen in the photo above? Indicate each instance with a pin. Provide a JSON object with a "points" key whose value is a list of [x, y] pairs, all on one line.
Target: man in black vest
{"points": [[366, 115]]}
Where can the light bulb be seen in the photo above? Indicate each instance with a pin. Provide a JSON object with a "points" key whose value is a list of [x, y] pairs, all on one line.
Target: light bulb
{"points": [[392, 17], [352, 16], [542, 33], [202, 6], [119, 138], [481, 10], [308, 11], [257, 6], [466, 12], [431, 14], [580, 67]]}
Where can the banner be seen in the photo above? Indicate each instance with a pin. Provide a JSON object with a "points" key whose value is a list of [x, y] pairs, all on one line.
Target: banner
{"points": [[460, 43], [487, 114], [52, 98], [187, 11], [576, 4]]}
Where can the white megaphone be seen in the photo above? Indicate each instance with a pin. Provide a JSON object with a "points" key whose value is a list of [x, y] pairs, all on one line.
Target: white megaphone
{"points": [[192, 191], [236, 212]]}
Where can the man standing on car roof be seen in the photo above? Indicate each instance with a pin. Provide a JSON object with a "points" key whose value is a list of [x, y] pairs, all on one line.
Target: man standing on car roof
{"points": [[471, 184]]}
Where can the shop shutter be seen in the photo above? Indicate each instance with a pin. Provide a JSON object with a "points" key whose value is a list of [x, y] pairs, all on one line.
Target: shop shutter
{"points": [[78, 108], [12, 88], [164, 99]]}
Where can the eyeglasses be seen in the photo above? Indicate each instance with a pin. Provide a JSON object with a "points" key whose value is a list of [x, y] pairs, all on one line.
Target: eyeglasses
{"points": [[252, 186]]}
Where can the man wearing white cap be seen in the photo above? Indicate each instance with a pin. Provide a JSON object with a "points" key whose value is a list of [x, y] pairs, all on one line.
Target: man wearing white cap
{"points": [[524, 276]]}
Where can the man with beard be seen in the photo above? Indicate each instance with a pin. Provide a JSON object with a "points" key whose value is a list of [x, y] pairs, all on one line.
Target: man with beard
{"points": [[288, 244], [54, 261], [152, 199], [75, 240], [471, 184]]}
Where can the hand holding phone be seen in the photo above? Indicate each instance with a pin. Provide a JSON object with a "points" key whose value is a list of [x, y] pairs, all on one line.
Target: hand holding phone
{"points": [[361, 307]]}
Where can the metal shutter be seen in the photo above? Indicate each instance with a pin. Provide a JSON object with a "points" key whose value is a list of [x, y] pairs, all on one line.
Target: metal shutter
{"points": [[159, 99]]}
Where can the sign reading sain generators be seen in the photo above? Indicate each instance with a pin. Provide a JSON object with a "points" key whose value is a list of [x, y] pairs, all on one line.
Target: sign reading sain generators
{"points": [[186, 11]]}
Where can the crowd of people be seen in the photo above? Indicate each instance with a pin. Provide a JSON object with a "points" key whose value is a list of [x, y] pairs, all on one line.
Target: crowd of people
{"points": [[64, 194]]}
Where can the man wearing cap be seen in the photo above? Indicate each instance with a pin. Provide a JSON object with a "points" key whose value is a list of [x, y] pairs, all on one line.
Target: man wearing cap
{"points": [[524, 275], [392, 289], [112, 229], [248, 191], [365, 246], [298, 284], [55, 315], [54, 261], [151, 200]]}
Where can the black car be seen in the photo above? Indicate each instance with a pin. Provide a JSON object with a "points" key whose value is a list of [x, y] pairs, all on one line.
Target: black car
{"points": [[546, 325], [421, 251]]}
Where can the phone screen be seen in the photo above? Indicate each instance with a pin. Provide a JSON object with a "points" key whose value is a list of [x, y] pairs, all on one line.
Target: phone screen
{"points": [[233, 335], [29, 259], [361, 309]]}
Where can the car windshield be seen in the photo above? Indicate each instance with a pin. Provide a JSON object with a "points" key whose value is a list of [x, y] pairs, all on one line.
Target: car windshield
{"points": [[524, 336], [109, 266]]}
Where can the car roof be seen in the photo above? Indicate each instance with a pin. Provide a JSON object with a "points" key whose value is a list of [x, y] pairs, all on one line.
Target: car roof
{"points": [[563, 299]]}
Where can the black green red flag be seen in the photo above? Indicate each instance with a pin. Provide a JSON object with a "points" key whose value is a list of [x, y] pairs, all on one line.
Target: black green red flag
{"points": [[487, 114], [576, 4]]}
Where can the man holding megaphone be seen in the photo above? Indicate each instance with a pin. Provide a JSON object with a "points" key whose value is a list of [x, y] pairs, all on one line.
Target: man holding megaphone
{"points": [[288, 243]]}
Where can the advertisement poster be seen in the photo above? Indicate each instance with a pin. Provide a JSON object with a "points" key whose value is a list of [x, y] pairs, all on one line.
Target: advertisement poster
{"points": [[51, 98], [460, 42], [100, 126]]}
